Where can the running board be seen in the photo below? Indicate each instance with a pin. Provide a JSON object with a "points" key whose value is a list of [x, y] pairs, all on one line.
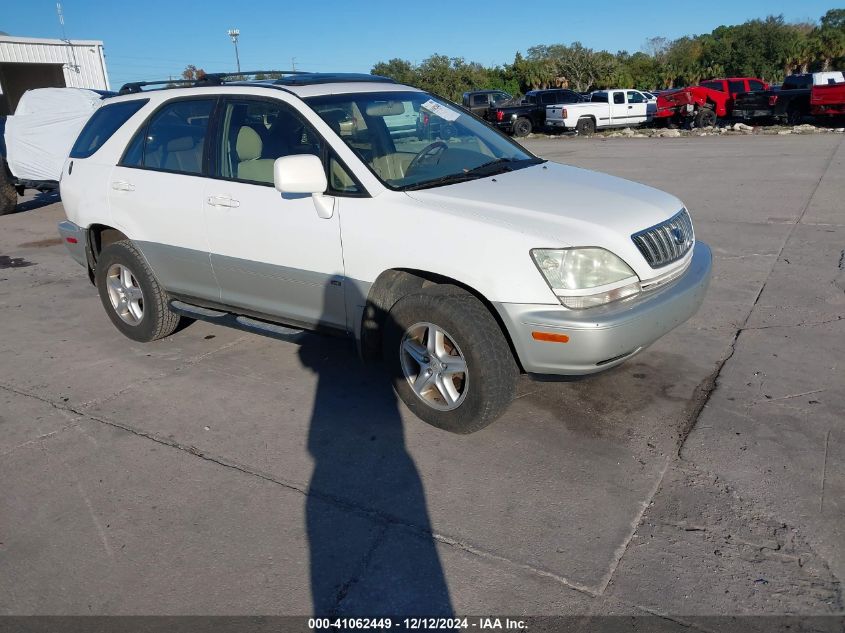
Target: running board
{"points": [[237, 321]]}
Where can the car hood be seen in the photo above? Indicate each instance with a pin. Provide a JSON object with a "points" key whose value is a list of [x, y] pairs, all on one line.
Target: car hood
{"points": [[561, 206]]}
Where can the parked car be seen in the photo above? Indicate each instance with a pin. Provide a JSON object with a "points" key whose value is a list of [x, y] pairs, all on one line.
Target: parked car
{"points": [[521, 119], [702, 105], [35, 141], [479, 102], [462, 262], [789, 103], [827, 100], [606, 108]]}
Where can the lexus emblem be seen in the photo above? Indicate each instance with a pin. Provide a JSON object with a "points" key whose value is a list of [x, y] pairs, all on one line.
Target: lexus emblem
{"points": [[679, 236]]}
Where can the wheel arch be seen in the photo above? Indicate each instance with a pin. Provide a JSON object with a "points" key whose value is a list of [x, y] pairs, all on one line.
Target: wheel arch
{"points": [[393, 284]]}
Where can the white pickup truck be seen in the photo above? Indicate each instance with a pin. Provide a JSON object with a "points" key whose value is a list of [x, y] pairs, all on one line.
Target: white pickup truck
{"points": [[606, 108]]}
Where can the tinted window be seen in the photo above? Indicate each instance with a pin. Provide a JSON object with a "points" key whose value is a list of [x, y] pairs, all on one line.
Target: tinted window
{"points": [[549, 97], [256, 133], [635, 97], [755, 85], [174, 139], [713, 85], [102, 125], [479, 100], [736, 86], [618, 97], [499, 96], [794, 82]]}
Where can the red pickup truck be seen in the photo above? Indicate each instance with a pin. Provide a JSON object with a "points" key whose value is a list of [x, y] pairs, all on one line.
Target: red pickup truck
{"points": [[703, 104], [828, 100]]}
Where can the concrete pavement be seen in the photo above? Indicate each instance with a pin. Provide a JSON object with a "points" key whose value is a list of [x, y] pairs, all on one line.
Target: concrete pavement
{"points": [[222, 472]]}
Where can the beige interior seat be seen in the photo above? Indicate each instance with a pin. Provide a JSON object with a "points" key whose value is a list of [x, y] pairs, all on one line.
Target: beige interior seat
{"points": [[250, 164]]}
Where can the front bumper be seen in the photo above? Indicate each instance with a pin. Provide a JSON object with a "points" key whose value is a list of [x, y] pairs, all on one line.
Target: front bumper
{"points": [[74, 238], [601, 338]]}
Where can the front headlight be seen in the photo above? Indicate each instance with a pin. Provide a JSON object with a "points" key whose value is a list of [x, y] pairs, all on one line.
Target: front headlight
{"points": [[586, 277]]}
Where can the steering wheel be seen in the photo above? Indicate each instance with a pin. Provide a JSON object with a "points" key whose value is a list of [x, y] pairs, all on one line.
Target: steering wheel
{"points": [[427, 151]]}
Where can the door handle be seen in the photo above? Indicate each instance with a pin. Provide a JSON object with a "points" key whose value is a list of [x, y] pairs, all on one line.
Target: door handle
{"points": [[630, 107], [223, 201], [122, 185]]}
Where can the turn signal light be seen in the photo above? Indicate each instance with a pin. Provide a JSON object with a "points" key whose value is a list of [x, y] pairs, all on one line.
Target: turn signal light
{"points": [[548, 337]]}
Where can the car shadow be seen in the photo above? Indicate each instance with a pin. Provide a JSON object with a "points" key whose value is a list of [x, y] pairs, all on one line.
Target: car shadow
{"points": [[40, 199]]}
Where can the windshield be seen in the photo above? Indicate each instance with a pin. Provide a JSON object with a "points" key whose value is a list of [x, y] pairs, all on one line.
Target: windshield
{"points": [[414, 140]]}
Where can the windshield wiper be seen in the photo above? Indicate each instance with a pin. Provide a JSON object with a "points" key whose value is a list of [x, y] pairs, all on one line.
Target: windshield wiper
{"points": [[491, 168]]}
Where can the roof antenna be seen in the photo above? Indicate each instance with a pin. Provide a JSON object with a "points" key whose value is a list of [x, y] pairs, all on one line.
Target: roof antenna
{"points": [[72, 53]]}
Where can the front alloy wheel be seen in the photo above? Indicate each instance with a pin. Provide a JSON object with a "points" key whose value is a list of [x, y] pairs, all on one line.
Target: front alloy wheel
{"points": [[449, 360], [434, 366]]}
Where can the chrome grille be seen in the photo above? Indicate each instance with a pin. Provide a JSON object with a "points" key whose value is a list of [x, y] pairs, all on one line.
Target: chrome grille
{"points": [[666, 242]]}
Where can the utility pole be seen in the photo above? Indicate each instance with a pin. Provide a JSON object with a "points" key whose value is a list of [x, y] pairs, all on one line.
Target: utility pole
{"points": [[234, 33], [293, 64]]}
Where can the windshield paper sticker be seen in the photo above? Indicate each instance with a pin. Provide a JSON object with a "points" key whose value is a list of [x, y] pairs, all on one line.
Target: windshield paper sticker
{"points": [[441, 110]]}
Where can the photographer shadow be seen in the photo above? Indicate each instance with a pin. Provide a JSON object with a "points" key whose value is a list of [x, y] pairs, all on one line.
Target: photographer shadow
{"points": [[370, 538]]}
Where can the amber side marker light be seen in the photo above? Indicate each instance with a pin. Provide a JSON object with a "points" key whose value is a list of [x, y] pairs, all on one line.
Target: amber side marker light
{"points": [[548, 337]]}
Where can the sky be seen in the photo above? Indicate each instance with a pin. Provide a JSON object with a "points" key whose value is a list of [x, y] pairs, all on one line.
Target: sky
{"points": [[156, 39]]}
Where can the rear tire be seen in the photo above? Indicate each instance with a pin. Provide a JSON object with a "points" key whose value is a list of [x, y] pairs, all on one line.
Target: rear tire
{"points": [[522, 127], [465, 332], [131, 295], [794, 116], [585, 127], [8, 192]]}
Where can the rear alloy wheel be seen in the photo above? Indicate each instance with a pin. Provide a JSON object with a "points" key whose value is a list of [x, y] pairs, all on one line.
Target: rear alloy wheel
{"points": [[585, 127], [705, 118], [131, 295], [522, 127], [449, 360]]}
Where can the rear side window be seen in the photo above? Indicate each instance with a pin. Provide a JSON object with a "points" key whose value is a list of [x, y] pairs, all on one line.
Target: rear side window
{"points": [[753, 84], [102, 125], [174, 138], [618, 97]]}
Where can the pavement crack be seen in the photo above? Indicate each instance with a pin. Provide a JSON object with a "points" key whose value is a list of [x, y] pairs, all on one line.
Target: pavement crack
{"points": [[377, 516], [707, 387]]}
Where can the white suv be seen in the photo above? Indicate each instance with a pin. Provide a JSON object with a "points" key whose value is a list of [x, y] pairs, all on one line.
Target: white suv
{"points": [[462, 261]]}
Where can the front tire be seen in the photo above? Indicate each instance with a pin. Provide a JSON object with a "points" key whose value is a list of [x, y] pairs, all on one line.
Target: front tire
{"points": [[522, 127], [8, 192], [705, 118], [131, 295], [449, 360]]}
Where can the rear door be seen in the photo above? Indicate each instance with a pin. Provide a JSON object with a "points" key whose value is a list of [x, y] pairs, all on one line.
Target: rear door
{"points": [[271, 253], [156, 193], [619, 112]]}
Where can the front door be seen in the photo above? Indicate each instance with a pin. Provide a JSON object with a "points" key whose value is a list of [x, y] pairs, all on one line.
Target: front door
{"points": [[637, 107], [271, 253]]}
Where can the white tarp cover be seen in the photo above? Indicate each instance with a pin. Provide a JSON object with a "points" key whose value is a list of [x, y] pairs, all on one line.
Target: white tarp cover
{"points": [[44, 128]]}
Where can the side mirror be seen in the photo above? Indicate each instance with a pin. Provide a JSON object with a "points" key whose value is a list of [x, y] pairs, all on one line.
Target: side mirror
{"points": [[302, 173]]}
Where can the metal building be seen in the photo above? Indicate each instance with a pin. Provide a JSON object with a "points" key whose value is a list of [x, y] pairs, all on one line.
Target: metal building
{"points": [[27, 62]]}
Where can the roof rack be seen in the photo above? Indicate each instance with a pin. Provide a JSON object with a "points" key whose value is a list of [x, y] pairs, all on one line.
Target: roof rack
{"points": [[307, 79], [208, 79], [273, 77]]}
